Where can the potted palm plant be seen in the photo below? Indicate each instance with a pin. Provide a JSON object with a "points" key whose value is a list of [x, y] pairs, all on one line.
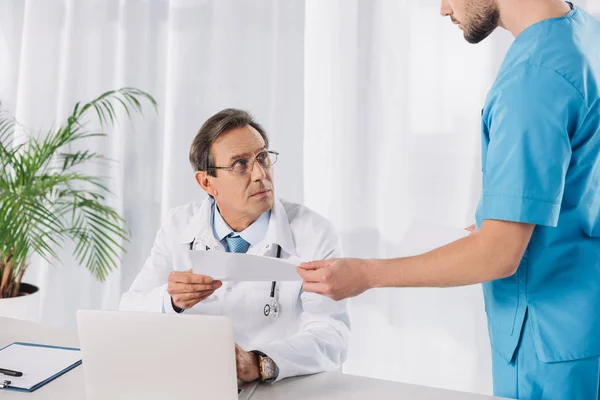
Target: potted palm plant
{"points": [[47, 198]]}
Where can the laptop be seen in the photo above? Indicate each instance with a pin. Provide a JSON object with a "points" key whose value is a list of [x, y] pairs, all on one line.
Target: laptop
{"points": [[140, 355]]}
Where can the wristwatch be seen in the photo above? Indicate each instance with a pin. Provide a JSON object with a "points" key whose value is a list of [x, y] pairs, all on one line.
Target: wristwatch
{"points": [[266, 367]]}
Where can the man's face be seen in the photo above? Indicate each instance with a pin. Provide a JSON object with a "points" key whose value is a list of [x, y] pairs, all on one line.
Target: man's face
{"points": [[249, 194], [476, 18]]}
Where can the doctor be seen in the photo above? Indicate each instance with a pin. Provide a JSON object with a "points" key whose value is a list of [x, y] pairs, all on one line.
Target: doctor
{"points": [[308, 333], [537, 243]]}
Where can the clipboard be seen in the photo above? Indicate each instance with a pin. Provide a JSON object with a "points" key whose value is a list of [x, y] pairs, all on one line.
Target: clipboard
{"points": [[39, 363]]}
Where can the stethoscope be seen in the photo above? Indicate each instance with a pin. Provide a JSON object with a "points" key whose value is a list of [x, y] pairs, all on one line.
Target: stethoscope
{"points": [[271, 308]]}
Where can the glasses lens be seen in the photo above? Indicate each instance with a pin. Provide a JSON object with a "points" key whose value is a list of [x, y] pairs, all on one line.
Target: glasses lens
{"points": [[271, 159], [241, 166], [266, 159]]}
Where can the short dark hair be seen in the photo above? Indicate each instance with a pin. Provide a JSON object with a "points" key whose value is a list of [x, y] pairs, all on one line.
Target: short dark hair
{"points": [[220, 123]]}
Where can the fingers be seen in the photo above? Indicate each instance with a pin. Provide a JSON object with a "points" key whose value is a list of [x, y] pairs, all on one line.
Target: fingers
{"points": [[194, 296], [189, 300], [189, 277], [314, 265], [310, 275], [316, 281], [179, 288], [320, 281], [187, 282], [188, 289]]}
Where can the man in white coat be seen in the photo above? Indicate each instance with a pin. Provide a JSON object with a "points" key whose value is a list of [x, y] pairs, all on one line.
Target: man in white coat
{"points": [[234, 166]]}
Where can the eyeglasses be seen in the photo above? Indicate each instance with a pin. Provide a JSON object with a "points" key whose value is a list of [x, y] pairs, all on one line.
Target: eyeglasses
{"points": [[266, 159]]}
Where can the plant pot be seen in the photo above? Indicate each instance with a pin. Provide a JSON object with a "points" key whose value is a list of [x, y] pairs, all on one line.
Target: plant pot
{"points": [[26, 306]]}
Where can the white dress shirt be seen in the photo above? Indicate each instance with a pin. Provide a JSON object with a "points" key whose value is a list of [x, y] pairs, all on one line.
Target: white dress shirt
{"points": [[253, 234]]}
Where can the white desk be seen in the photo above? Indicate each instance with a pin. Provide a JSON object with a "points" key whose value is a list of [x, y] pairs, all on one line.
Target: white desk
{"points": [[331, 385]]}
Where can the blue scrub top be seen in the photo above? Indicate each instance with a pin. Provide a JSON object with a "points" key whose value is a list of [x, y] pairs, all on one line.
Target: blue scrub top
{"points": [[541, 165]]}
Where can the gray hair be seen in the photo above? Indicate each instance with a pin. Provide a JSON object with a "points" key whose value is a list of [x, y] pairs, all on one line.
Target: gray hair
{"points": [[217, 125]]}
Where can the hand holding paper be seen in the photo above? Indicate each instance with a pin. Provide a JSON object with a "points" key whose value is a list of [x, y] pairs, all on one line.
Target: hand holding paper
{"points": [[348, 277], [188, 289]]}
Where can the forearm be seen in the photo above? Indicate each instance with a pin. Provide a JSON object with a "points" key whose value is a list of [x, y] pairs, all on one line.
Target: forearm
{"points": [[473, 259]]}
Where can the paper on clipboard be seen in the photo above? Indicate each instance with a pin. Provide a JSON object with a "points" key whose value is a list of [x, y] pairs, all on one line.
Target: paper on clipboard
{"points": [[38, 363], [244, 267]]}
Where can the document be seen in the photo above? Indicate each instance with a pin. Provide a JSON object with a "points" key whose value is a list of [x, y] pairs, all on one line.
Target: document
{"points": [[244, 267], [422, 237], [39, 364]]}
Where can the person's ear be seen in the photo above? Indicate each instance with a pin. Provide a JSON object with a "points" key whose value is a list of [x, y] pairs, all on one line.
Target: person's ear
{"points": [[205, 181]]}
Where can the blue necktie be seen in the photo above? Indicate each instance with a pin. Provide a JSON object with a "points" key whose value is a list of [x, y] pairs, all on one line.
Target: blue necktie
{"points": [[236, 244]]}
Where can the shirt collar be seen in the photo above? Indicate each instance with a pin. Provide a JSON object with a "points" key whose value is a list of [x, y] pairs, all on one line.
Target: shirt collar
{"points": [[278, 229], [253, 234]]}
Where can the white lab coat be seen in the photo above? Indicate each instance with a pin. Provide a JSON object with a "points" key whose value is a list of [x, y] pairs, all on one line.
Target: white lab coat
{"points": [[311, 333]]}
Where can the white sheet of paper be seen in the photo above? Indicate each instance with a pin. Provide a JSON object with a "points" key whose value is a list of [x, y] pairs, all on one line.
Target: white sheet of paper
{"points": [[422, 237], [36, 363], [243, 267]]}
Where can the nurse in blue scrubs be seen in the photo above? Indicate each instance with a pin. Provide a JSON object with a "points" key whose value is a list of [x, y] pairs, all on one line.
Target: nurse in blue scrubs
{"points": [[537, 244]]}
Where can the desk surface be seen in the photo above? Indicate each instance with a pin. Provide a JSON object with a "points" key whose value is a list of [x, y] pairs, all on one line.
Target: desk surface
{"points": [[331, 385]]}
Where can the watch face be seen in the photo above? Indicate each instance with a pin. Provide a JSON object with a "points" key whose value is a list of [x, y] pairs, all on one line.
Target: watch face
{"points": [[268, 368]]}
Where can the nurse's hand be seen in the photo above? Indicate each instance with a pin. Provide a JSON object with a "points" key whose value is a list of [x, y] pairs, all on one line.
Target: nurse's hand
{"points": [[471, 228], [188, 289], [337, 279], [246, 364]]}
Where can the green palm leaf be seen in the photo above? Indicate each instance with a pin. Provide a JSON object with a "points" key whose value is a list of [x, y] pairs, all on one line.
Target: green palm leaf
{"points": [[45, 198]]}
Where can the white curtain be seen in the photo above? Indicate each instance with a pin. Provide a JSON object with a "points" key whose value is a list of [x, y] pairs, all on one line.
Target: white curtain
{"points": [[196, 57], [392, 122]]}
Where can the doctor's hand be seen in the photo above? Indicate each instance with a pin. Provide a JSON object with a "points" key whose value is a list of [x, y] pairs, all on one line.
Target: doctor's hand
{"points": [[188, 289], [337, 279], [247, 365]]}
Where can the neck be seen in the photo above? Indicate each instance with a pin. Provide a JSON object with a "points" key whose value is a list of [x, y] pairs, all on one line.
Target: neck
{"points": [[518, 15], [237, 222]]}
